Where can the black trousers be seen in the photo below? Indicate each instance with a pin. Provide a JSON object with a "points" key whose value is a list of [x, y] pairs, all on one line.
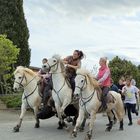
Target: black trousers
{"points": [[130, 108], [47, 92], [72, 82]]}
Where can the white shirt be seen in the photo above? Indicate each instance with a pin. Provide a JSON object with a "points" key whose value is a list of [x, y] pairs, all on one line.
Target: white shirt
{"points": [[130, 94]]}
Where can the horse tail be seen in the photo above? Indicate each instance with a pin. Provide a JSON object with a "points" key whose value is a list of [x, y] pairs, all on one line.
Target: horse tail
{"points": [[119, 106]]}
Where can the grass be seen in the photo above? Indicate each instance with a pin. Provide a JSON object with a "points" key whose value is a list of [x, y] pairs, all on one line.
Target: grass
{"points": [[12, 101]]}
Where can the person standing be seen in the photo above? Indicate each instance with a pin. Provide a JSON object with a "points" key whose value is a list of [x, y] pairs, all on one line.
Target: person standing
{"points": [[120, 85], [129, 92]]}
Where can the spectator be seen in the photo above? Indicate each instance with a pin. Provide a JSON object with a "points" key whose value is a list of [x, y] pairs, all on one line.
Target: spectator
{"points": [[113, 86], [130, 99]]}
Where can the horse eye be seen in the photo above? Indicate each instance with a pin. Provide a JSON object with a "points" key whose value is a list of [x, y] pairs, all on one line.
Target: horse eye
{"points": [[54, 60], [82, 81], [19, 77]]}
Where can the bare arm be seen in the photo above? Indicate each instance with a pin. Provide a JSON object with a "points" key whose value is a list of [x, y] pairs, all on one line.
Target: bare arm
{"points": [[75, 67]]}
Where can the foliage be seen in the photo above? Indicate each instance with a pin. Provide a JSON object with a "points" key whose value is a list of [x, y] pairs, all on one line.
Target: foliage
{"points": [[124, 68], [14, 26], [8, 56], [12, 101]]}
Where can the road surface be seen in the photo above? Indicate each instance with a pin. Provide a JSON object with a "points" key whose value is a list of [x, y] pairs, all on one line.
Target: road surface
{"points": [[48, 129]]}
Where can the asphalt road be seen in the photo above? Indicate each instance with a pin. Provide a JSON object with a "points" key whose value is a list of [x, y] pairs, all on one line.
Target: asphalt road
{"points": [[48, 129]]}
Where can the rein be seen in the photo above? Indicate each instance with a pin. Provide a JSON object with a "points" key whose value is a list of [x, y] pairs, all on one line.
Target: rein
{"points": [[57, 92], [82, 99], [20, 83], [26, 96], [88, 98], [50, 66]]}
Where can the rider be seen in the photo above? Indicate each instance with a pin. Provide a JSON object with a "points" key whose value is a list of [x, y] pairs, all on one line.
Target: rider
{"points": [[104, 79], [73, 62], [46, 83]]}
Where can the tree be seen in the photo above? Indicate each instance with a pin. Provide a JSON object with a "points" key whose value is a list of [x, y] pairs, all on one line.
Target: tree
{"points": [[139, 67], [13, 25], [124, 68], [8, 56]]}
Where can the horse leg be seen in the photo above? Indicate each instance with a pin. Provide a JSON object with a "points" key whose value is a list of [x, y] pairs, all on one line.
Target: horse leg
{"points": [[91, 125], [120, 112], [114, 118], [111, 116], [65, 104], [60, 123], [37, 124], [82, 125], [78, 122], [120, 117], [23, 111]]}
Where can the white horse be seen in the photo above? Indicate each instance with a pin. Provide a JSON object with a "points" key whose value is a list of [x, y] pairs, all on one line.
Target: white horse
{"points": [[61, 93], [31, 97], [90, 102]]}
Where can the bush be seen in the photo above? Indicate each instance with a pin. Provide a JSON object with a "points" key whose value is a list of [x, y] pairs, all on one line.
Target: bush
{"points": [[12, 101]]}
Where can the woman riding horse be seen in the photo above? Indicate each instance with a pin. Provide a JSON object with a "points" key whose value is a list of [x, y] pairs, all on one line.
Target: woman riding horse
{"points": [[89, 92], [73, 62]]}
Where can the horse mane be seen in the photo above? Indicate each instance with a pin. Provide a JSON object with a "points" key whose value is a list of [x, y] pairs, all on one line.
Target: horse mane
{"points": [[22, 69], [92, 80]]}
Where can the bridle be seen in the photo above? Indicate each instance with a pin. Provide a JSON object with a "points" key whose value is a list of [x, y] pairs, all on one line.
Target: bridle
{"points": [[20, 83], [85, 82], [26, 96], [50, 66], [83, 100]]}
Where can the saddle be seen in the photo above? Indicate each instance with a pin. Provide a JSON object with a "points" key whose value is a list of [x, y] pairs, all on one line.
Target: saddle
{"points": [[109, 98]]}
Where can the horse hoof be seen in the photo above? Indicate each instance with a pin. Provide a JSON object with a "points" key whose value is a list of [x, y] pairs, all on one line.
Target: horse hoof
{"points": [[81, 129], [74, 134], [37, 125], [59, 127], [87, 137], [16, 129], [108, 129]]}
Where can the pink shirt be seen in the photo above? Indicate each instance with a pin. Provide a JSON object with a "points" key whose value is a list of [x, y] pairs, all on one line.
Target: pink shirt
{"points": [[104, 76]]}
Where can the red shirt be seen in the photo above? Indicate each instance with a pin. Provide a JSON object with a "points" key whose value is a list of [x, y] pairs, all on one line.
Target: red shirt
{"points": [[104, 76]]}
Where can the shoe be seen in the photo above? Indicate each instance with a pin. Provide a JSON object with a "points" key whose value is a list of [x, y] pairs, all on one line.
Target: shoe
{"points": [[130, 123], [137, 113], [107, 124]]}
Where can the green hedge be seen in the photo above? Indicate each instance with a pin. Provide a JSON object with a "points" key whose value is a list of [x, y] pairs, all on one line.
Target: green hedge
{"points": [[12, 101]]}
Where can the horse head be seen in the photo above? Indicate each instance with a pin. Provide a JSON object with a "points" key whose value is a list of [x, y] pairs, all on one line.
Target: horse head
{"points": [[21, 76], [53, 64], [80, 83], [83, 80]]}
